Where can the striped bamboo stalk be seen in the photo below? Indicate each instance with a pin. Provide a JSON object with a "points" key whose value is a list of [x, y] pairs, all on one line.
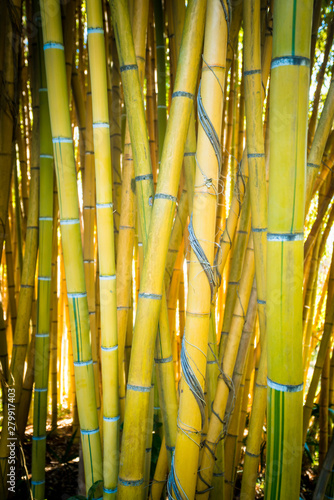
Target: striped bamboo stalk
{"points": [[288, 125], [44, 289], [71, 240]]}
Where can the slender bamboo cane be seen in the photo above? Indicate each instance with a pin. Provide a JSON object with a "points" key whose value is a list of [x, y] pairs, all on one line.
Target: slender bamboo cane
{"points": [[115, 132], [239, 376], [54, 313], [71, 240], [3, 352], [288, 122], [323, 411], [308, 311], [44, 289], [21, 335], [189, 164], [176, 236], [320, 80], [225, 384], [10, 277], [235, 271], [8, 109], [315, 26], [325, 474], [160, 474], [106, 246], [28, 381], [255, 148], [127, 217], [329, 319], [161, 73], [319, 143]]}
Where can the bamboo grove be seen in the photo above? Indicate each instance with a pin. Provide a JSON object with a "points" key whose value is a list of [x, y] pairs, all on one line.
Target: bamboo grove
{"points": [[167, 266]]}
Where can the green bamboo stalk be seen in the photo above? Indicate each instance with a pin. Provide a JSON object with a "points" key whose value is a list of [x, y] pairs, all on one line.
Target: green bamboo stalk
{"points": [[161, 73], [44, 289], [54, 313]]}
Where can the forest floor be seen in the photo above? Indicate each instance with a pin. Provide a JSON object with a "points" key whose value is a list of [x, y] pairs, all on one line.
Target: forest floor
{"points": [[62, 468], [62, 464]]}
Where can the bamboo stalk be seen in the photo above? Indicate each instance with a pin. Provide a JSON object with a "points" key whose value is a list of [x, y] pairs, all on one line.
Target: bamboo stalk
{"points": [[106, 246], [288, 122], [328, 327], [71, 241], [225, 385], [137, 376], [255, 149], [44, 290]]}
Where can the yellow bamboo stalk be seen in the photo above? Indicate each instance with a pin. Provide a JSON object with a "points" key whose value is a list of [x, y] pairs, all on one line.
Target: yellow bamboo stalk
{"points": [[71, 240], [308, 309], [320, 81], [237, 259], [106, 246], [202, 236], [176, 236], [224, 385], [54, 314], [328, 327], [160, 474], [288, 122], [172, 301], [244, 408], [127, 215], [89, 216], [42, 337], [255, 148], [319, 143], [115, 133], [131, 474]]}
